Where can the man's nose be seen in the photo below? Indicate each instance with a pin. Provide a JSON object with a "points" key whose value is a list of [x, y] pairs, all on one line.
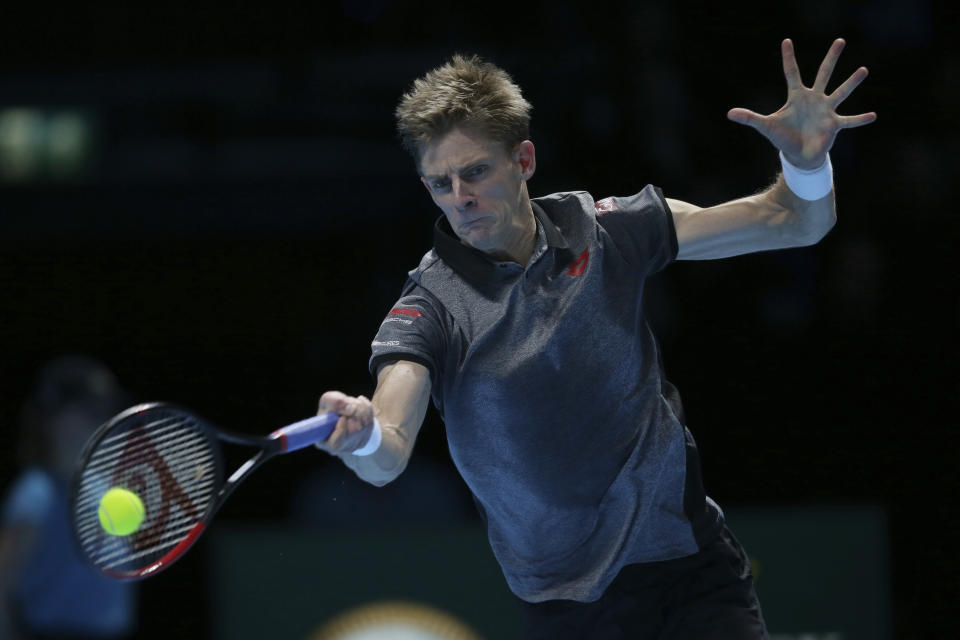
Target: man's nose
{"points": [[462, 194]]}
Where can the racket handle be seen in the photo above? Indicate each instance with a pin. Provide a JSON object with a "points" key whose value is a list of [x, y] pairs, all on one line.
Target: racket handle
{"points": [[306, 432]]}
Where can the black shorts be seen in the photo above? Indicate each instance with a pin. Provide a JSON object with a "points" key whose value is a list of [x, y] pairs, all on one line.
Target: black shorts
{"points": [[706, 596]]}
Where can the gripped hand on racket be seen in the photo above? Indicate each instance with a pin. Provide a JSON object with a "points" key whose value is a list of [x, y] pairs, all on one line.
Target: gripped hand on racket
{"points": [[354, 427]]}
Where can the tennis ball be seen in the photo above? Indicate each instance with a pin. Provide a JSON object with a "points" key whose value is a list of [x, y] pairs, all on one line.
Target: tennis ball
{"points": [[121, 512]]}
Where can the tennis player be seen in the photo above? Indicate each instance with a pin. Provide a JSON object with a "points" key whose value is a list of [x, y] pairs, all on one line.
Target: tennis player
{"points": [[526, 326]]}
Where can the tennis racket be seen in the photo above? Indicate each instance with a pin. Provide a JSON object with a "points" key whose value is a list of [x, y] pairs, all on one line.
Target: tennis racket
{"points": [[173, 461]]}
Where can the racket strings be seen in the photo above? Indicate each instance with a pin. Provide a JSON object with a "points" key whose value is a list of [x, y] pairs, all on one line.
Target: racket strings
{"points": [[165, 436], [171, 464], [176, 452]]}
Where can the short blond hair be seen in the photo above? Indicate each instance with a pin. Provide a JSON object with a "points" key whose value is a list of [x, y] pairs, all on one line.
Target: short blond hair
{"points": [[468, 93]]}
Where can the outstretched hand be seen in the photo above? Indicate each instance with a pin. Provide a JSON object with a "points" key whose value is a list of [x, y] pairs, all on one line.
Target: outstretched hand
{"points": [[805, 127]]}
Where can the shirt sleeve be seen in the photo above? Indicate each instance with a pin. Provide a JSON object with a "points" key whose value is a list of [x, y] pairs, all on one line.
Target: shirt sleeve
{"points": [[642, 227], [412, 330]]}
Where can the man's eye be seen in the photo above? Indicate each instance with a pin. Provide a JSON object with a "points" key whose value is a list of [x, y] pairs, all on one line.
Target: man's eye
{"points": [[476, 172], [440, 185]]}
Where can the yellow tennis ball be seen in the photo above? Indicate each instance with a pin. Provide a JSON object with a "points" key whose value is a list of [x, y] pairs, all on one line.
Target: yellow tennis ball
{"points": [[121, 512]]}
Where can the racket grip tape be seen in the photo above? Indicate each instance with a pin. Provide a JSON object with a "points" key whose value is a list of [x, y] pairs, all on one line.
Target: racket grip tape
{"points": [[306, 432]]}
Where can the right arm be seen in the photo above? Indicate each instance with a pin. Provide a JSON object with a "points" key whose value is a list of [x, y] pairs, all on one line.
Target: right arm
{"points": [[399, 404]]}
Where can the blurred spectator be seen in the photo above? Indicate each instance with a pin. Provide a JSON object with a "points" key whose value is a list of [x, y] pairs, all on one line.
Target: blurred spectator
{"points": [[46, 589]]}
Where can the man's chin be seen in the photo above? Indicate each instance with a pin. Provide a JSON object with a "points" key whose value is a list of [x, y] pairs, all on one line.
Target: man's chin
{"points": [[479, 239]]}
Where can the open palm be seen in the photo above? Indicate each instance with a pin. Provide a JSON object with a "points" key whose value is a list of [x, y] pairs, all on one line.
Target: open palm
{"points": [[805, 127]]}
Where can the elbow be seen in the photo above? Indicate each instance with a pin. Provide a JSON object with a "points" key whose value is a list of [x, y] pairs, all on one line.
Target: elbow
{"points": [[378, 479], [381, 480], [374, 474]]}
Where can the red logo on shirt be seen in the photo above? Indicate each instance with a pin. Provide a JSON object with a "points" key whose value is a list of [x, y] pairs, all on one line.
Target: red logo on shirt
{"points": [[410, 313], [576, 269], [605, 206]]}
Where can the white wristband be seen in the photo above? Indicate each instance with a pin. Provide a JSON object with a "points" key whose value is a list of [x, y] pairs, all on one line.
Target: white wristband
{"points": [[808, 184], [373, 443]]}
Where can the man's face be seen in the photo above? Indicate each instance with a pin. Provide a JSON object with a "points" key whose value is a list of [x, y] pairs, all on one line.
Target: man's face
{"points": [[481, 187]]}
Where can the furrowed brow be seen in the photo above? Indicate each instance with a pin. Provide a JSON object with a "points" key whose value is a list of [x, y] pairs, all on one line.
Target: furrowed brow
{"points": [[460, 170]]}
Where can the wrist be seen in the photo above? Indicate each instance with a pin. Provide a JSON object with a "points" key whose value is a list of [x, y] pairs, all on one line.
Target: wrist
{"points": [[808, 184], [373, 442]]}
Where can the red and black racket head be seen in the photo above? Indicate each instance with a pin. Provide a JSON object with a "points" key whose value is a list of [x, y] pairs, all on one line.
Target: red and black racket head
{"points": [[172, 461]]}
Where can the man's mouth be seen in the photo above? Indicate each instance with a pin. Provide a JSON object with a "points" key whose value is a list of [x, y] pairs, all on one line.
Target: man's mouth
{"points": [[471, 224]]}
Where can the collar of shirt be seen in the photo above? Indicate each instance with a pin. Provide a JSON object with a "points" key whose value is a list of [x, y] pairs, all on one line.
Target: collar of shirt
{"points": [[476, 266]]}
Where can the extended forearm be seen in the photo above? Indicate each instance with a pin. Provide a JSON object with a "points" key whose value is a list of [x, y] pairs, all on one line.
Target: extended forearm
{"points": [[775, 218], [400, 404]]}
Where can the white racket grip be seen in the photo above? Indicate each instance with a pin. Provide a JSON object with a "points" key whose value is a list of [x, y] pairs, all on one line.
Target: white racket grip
{"points": [[376, 437]]}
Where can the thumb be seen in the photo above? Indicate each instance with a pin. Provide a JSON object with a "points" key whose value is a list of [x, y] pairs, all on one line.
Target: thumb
{"points": [[745, 116]]}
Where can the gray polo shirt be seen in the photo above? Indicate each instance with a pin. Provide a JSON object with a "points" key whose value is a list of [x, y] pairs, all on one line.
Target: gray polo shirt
{"points": [[549, 381]]}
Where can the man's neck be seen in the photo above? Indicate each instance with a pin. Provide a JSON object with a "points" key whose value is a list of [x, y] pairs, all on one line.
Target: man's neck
{"points": [[523, 242]]}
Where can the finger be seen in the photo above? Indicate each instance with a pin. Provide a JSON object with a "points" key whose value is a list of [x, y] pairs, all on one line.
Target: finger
{"points": [[826, 67], [352, 426], [333, 441], [356, 407], [362, 403], [790, 69], [747, 117], [849, 122], [364, 409], [333, 401], [354, 435], [844, 90], [344, 434]]}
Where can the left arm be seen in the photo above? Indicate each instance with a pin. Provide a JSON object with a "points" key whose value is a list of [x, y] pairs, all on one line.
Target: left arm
{"points": [[773, 219], [803, 129]]}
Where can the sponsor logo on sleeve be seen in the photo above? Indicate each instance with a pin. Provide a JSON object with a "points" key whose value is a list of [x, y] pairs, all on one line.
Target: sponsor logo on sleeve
{"points": [[403, 315], [605, 206]]}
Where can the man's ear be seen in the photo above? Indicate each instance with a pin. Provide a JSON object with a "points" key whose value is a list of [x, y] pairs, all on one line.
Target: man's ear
{"points": [[526, 156]]}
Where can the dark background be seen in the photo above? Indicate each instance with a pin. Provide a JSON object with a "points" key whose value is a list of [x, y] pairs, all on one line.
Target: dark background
{"points": [[245, 218]]}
